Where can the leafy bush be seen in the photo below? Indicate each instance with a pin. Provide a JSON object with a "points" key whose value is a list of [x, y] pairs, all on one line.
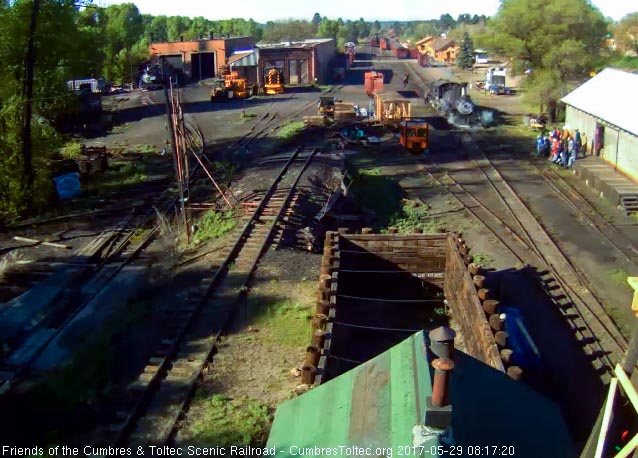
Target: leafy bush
{"points": [[290, 130], [413, 215], [214, 224], [71, 150]]}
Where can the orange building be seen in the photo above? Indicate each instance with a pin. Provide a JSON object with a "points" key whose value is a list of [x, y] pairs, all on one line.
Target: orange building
{"points": [[200, 59], [440, 49]]}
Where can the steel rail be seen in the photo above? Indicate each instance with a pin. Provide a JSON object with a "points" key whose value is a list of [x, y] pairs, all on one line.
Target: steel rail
{"points": [[140, 395], [604, 320], [608, 327], [523, 255], [598, 225]]}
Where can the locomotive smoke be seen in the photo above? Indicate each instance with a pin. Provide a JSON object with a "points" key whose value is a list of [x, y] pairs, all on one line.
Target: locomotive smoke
{"points": [[486, 118]]}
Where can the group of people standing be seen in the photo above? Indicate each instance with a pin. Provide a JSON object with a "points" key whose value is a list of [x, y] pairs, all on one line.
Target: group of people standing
{"points": [[561, 147]]}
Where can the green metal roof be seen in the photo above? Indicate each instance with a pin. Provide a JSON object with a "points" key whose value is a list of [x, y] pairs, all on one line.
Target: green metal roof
{"points": [[378, 403], [374, 405]]}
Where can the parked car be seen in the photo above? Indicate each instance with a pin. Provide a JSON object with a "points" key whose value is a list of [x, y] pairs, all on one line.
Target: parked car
{"points": [[481, 58]]}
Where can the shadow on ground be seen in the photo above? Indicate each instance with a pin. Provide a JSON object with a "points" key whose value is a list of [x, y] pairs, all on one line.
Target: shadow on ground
{"points": [[563, 373]]}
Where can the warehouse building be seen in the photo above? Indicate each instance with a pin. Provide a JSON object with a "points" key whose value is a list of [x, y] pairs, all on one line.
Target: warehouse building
{"points": [[602, 109], [202, 58], [302, 62]]}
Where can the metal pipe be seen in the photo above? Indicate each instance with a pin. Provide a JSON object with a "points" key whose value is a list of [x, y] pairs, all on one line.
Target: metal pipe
{"points": [[442, 342], [440, 387]]}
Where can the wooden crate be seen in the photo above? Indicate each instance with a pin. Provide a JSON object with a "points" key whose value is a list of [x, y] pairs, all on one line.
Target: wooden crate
{"points": [[391, 107]]}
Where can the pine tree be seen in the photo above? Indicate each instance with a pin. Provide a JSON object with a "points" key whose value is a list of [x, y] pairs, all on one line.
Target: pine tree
{"points": [[466, 57]]}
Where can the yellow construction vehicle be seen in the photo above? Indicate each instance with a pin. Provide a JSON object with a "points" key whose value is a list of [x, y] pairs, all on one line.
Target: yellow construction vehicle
{"points": [[414, 135], [327, 106], [230, 87], [236, 85], [274, 83], [219, 91]]}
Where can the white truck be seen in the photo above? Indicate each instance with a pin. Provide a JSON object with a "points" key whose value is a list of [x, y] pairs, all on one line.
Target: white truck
{"points": [[495, 81]]}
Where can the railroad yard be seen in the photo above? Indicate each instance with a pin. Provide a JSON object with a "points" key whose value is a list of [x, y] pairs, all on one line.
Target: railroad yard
{"points": [[121, 331]]}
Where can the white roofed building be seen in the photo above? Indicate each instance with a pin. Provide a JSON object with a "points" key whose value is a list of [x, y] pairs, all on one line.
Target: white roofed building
{"points": [[604, 108]]}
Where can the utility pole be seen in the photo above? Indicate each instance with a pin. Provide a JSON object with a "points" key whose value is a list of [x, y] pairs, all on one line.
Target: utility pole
{"points": [[177, 163], [27, 94]]}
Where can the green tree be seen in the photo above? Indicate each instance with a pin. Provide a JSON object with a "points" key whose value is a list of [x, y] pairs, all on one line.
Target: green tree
{"points": [[316, 20], [626, 33], [252, 29], [176, 26], [287, 30], [397, 29], [424, 29], [466, 57], [560, 45], [55, 39], [446, 22], [328, 28]]}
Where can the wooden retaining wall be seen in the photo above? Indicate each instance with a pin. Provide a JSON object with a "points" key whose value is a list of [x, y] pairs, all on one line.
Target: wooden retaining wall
{"points": [[441, 259], [463, 299]]}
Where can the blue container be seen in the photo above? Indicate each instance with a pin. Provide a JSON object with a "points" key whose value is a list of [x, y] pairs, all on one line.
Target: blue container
{"points": [[68, 185], [526, 354]]}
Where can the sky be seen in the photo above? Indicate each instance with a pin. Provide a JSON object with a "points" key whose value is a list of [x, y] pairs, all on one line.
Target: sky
{"points": [[389, 10]]}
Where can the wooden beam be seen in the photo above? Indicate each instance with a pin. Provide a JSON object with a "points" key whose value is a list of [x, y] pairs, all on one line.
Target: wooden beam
{"points": [[627, 449], [607, 417], [39, 242], [626, 384]]}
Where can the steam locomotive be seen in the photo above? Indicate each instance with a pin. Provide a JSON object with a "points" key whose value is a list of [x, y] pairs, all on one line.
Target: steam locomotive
{"points": [[450, 98], [152, 77]]}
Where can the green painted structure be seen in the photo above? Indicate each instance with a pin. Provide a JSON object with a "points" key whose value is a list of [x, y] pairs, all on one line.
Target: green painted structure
{"points": [[378, 404]]}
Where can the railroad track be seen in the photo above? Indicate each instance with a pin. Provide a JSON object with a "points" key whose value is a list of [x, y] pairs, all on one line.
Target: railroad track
{"points": [[529, 242], [50, 306], [590, 215], [65, 293], [26, 337], [271, 122], [154, 402]]}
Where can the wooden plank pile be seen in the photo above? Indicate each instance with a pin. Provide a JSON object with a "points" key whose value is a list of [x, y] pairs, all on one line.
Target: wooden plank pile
{"points": [[345, 111], [391, 107]]}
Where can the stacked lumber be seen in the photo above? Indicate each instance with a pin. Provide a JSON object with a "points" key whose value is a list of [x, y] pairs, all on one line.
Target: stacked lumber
{"points": [[313, 120], [344, 111], [391, 107]]}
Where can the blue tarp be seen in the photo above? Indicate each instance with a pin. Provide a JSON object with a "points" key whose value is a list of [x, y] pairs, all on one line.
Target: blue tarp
{"points": [[68, 185], [525, 351]]}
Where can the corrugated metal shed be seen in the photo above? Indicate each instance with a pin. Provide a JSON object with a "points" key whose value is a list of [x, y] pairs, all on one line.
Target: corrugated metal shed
{"points": [[244, 59], [611, 96], [378, 403], [307, 43]]}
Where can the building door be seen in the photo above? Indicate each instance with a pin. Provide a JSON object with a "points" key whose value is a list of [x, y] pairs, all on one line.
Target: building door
{"points": [[276, 64], [208, 64], [298, 71], [202, 65], [303, 72], [175, 60], [599, 139], [293, 69]]}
